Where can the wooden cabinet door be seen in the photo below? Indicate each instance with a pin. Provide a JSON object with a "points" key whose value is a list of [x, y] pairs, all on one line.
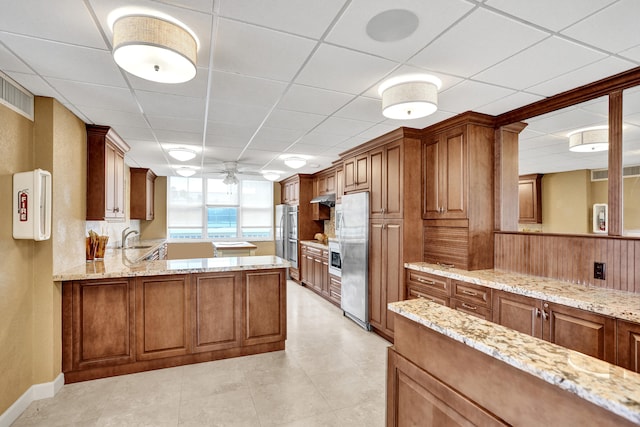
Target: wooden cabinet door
{"points": [[110, 182], [97, 323], [150, 199], [394, 270], [162, 317], [518, 312], [445, 176], [324, 276], [330, 183], [628, 345], [376, 273], [216, 307], [416, 398], [530, 199], [264, 317], [142, 183], [119, 185], [339, 185], [393, 189], [349, 168], [376, 184], [579, 330], [317, 274], [362, 172]]}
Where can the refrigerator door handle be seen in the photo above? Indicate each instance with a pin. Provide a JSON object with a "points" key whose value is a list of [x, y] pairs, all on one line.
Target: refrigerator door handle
{"points": [[282, 233]]}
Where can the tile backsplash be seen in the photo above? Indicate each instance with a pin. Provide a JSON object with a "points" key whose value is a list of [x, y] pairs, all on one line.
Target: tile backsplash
{"points": [[113, 230], [330, 224]]}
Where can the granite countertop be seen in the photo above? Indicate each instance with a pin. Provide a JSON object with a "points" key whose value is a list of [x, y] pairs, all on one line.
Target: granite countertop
{"points": [[315, 244], [130, 263], [608, 386], [609, 302]]}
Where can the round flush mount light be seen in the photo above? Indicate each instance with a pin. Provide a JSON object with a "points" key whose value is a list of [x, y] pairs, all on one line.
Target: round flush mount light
{"points": [[186, 172], [182, 154], [392, 25], [589, 140], [410, 96], [295, 162], [271, 175], [154, 49]]}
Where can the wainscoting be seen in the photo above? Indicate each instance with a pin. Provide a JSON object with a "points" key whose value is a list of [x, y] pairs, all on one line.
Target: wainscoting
{"points": [[571, 258]]}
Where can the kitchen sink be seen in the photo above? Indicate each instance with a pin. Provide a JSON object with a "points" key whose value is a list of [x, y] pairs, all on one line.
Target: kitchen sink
{"points": [[139, 247]]}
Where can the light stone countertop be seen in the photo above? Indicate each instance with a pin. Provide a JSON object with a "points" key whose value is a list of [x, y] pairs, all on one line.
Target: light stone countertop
{"points": [[314, 244], [608, 386], [609, 302], [130, 263]]}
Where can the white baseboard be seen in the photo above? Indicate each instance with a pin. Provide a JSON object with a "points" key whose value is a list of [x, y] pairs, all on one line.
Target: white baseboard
{"points": [[35, 392]]}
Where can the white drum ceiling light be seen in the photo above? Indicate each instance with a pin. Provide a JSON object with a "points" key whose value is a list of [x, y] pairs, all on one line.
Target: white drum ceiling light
{"points": [[589, 140], [410, 96], [154, 49]]}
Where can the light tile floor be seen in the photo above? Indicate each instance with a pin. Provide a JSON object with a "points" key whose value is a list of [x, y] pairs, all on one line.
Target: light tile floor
{"points": [[332, 373]]}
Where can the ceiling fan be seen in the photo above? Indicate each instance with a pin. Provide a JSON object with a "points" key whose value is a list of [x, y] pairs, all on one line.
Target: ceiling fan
{"points": [[230, 172]]}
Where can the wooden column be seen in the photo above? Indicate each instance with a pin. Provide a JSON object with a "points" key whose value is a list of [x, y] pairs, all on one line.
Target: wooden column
{"points": [[506, 177], [615, 164]]}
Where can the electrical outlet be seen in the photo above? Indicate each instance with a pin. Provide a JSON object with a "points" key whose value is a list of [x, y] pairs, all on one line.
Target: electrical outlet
{"points": [[599, 270]]}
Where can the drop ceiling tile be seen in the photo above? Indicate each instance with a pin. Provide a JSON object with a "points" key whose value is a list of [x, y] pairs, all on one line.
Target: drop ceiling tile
{"points": [[477, 53], [617, 27], [322, 139], [199, 5], [304, 18], [240, 131], [177, 124], [313, 100], [279, 134], [165, 136], [632, 54], [221, 154], [310, 149], [287, 119], [509, 103], [64, 61], [447, 80], [242, 90], [195, 88], [376, 131], [523, 70], [66, 21], [363, 109], [343, 70], [11, 63], [551, 14], [131, 133], [198, 22], [79, 114], [266, 144], [161, 104], [246, 115], [563, 123], [350, 143], [35, 84], [351, 29], [263, 52], [421, 123], [470, 95], [341, 126], [113, 117], [106, 97], [587, 74], [257, 156]]}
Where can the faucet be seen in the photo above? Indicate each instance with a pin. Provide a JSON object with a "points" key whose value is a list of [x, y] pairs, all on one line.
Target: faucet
{"points": [[126, 234]]}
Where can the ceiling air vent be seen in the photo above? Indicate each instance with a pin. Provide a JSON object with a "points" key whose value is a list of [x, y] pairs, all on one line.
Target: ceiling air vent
{"points": [[15, 97], [603, 174]]}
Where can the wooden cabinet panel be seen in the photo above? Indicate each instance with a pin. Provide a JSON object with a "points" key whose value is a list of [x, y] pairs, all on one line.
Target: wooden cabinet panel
{"points": [[162, 320], [105, 173], [376, 274], [628, 345], [580, 330], [376, 184], [437, 284], [339, 184], [335, 289], [386, 197], [416, 398], [470, 308], [141, 198], [472, 293], [530, 199], [356, 173], [265, 296], [418, 291], [517, 312], [216, 307], [101, 323]]}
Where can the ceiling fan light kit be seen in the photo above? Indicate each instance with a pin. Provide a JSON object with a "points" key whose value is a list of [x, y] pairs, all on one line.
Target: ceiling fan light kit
{"points": [[410, 96], [186, 172], [154, 49], [589, 140]]}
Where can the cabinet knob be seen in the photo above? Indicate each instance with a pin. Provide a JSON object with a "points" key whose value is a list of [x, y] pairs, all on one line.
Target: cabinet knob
{"points": [[116, 209]]}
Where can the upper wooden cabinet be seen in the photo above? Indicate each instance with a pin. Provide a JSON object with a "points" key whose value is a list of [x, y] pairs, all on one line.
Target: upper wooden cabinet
{"points": [[141, 198], [105, 173], [457, 192], [387, 196], [325, 182], [530, 199], [356, 173], [291, 190], [339, 184]]}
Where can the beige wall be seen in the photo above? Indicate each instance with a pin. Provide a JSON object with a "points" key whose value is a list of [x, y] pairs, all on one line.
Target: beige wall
{"points": [[566, 202], [157, 229], [30, 319]]}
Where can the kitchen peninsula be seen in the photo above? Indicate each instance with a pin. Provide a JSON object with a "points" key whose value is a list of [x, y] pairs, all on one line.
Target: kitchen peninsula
{"points": [[124, 314]]}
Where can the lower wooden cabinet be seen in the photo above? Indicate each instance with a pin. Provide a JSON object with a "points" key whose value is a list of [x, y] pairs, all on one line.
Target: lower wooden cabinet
{"points": [[629, 345], [579, 330], [315, 269], [124, 325], [335, 289], [416, 398]]}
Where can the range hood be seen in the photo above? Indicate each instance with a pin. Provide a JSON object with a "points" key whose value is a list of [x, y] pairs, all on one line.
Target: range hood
{"points": [[326, 199]]}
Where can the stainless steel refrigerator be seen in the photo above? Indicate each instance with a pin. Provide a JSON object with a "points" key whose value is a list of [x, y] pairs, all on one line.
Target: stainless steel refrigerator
{"points": [[286, 235], [354, 250]]}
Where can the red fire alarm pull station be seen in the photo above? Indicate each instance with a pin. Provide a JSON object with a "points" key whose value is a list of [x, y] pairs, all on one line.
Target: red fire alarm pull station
{"points": [[23, 205]]}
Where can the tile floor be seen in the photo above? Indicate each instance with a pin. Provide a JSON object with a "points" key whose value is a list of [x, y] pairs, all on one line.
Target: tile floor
{"points": [[332, 373]]}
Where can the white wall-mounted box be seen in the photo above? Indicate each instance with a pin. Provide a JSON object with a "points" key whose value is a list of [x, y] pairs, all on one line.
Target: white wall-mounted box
{"points": [[32, 205], [601, 218]]}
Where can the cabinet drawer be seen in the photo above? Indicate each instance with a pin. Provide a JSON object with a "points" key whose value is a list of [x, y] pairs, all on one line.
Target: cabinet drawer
{"points": [[469, 292], [435, 283], [313, 251], [417, 291], [472, 309]]}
